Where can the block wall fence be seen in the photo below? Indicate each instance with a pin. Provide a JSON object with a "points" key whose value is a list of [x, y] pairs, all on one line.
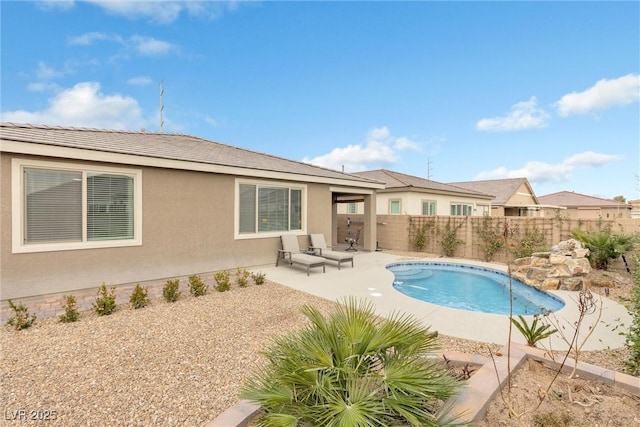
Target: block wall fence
{"points": [[398, 232]]}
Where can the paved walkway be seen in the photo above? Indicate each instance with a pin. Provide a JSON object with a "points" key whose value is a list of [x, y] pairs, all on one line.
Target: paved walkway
{"points": [[371, 280]]}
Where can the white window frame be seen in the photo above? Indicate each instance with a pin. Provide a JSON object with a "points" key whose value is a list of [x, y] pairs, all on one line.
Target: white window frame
{"points": [[391, 201], [429, 202], [274, 184], [461, 206], [18, 166]]}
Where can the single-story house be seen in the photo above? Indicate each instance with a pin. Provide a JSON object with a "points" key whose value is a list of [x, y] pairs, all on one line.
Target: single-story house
{"points": [[80, 207], [635, 208], [582, 206], [411, 195], [512, 197]]}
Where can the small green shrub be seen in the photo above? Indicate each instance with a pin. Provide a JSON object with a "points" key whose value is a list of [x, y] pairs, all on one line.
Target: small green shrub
{"points": [[171, 290], [105, 303], [139, 297], [242, 277], [21, 318], [258, 279], [632, 365], [71, 313], [491, 238], [450, 240], [223, 282], [532, 240], [534, 332], [197, 287]]}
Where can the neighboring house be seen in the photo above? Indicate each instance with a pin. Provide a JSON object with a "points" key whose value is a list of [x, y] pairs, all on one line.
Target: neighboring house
{"points": [[411, 195], [513, 197], [635, 208], [80, 207], [581, 206]]}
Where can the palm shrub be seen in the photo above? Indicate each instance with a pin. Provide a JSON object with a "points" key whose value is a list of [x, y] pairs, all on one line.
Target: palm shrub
{"points": [[603, 246], [352, 368]]}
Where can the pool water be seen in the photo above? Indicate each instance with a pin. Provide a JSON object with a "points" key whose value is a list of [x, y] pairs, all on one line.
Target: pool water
{"points": [[470, 288]]}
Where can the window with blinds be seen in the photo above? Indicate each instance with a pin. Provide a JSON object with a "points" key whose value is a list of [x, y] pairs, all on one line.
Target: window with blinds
{"points": [[53, 211], [268, 209], [55, 201]]}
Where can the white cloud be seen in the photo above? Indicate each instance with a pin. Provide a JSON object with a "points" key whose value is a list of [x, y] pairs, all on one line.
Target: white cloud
{"points": [[84, 105], [165, 11], [140, 81], [45, 72], [604, 94], [42, 87], [55, 4], [540, 172], [148, 46], [87, 39], [523, 115], [380, 149], [213, 122]]}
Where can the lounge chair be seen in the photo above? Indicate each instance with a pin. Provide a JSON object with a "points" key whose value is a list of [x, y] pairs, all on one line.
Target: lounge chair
{"points": [[318, 244], [293, 255]]}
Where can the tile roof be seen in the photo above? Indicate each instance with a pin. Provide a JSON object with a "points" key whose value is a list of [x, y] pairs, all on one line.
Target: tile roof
{"points": [[503, 189], [164, 146], [571, 199], [397, 180]]}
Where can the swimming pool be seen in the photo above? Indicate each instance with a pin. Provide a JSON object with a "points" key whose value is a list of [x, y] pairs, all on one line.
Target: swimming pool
{"points": [[469, 287]]}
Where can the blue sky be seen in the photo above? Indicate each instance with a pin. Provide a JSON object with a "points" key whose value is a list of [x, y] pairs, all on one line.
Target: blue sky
{"points": [[452, 91]]}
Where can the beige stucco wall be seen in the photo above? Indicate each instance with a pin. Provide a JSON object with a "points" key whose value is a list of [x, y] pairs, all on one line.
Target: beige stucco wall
{"points": [[188, 228], [411, 203]]}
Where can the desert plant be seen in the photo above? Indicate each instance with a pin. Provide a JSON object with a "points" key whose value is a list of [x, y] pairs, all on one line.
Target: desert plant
{"points": [[197, 287], [531, 240], [491, 238], [139, 297], [223, 282], [532, 333], [171, 290], [258, 278], [632, 364], [21, 318], [105, 303], [352, 368], [419, 236], [450, 240], [603, 246], [242, 277], [71, 313]]}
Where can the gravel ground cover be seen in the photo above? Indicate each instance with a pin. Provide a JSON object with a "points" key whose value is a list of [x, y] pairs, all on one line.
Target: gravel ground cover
{"points": [[177, 364]]}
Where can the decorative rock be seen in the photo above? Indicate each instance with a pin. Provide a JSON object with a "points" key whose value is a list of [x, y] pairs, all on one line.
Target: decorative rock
{"points": [[522, 261], [572, 284], [565, 267], [537, 273], [557, 259], [550, 285]]}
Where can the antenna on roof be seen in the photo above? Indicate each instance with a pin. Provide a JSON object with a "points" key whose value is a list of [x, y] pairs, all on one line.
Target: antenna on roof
{"points": [[161, 104], [428, 168]]}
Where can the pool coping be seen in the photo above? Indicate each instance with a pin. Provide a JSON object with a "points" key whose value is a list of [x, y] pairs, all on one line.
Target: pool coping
{"points": [[471, 404]]}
